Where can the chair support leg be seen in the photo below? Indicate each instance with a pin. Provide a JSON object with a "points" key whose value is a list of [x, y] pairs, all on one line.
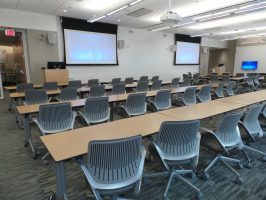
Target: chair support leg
{"points": [[226, 159], [168, 184], [161, 174], [228, 167], [211, 164], [255, 150], [188, 184]]}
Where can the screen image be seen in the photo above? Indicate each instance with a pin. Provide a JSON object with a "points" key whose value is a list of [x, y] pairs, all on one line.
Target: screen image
{"points": [[187, 53], [249, 65], [83, 47]]}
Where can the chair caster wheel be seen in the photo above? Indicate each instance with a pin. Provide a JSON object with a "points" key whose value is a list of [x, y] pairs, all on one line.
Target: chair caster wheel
{"points": [[239, 181], [35, 156], [248, 165], [146, 182], [206, 176], [45, 162], [9, 109], [166, 198], [240, 166], [26, 144], [148, 159], [200, 196], [264, 158], [52, 197], [17, 121]]}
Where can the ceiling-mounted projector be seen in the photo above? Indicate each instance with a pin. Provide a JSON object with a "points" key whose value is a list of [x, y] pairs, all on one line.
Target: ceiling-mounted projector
{"points": [[170, 17]]}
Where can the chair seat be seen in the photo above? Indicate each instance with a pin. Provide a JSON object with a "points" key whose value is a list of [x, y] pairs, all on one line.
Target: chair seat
{"points": [[209, 140]]}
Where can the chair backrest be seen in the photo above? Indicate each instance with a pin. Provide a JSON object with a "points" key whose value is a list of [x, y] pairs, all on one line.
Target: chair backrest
{"points": [[156, 85], [54, 117], [225, 73], [256, 79], [239, 74], [36, 97], [136, 104], [229, 88], [189, 96], [186, 82], [251, 120], [97, 91], [142, 86], [119, 88], [227, 131], [175, 83], [226, 79], [250, 81], [143, 78], [114, 161], [115, 81], [179, 138], [214, 79], [162, 99], [219, 90], [93, 82], [22, 87], [129, 80], [196, 78], [96, 109], [50, 86], [68, 94], [189, 74], [205, 93], [155, 78], [185, 76], [75, 84], [214, 73]]}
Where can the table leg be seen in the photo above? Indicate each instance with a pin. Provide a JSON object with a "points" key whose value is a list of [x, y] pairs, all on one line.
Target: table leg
{"points": [[27, 132], [111, 111], [237, 86], [15, 104], [60, 180]]}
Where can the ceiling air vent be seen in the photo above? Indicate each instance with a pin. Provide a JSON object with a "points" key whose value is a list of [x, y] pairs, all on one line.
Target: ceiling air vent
{"points": [[140, 12]]}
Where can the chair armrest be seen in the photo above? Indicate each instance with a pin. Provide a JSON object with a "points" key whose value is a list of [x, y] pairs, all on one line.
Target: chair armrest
{"points": [[244, 132], [38, 124], [206, 130], [74, 114], [81, 113]]}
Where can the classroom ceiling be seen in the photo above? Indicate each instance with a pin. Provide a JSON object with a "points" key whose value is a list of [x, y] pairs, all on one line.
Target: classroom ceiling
{"points": [[219, 19]]}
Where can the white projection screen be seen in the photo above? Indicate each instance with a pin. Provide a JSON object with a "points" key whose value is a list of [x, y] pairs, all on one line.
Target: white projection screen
{"points": [[187, 53], [89, 48]]}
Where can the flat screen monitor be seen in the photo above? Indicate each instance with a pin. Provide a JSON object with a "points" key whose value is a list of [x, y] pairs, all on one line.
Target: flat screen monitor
{"points": [[56, 65], [249, 65]]}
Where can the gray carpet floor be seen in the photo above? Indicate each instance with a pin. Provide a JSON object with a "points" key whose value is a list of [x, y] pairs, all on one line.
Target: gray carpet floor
{"points": [[22, 178]]}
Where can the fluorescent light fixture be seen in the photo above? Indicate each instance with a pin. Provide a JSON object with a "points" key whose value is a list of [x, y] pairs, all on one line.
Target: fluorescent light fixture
{"points": [[250, 42], [226, 11], [201, 17], [214, 17], [94, 20], [250, 9], [248, 6], [117, 10], [200, 35], [134, 2], [159, 29], [229, 39], [183, 24]]}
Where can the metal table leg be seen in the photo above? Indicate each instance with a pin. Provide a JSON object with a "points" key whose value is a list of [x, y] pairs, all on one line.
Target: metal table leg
{"points": [[27, 132], [60, 180]]}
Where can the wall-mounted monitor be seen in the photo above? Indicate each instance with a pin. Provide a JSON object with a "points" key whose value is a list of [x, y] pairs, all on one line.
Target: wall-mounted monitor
{"points": [[249, 65]]}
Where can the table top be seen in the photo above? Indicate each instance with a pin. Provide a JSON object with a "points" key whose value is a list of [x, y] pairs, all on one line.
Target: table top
{"points": [[73, 143], [22, 94]]}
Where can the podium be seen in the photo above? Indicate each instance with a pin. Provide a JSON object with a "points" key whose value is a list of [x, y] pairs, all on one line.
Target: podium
{"points": [[59, 75], [219, 70]]}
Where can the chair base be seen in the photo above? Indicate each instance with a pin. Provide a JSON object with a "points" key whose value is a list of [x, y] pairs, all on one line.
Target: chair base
{"points": [[224, 161], [256, 151]]}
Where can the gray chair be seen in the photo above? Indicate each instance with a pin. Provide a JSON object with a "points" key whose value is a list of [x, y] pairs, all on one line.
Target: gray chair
{"points": [[186, 82], [35, 97], [115, 81], [177, 146], [240, 74], [205, 93], [250, 129], [225, 73], [55, 118], [188, 98], [196, 79], [225, 79], [249, 84], [256, 81], [214, 73], [22, 87], [50, 86], [96, 110], [155, 78], [175, 83], [162, 100], [219, 91], [119, 88], [226, 138], [129, 80], [262, 118], [114, 167], [68, 94], [93, 82], [156, 85], [143, 79], [185, 76], [189, 74], [214, 79], [75, 84], [229, 88], [135, 105], [97, 91], [142, 86]]}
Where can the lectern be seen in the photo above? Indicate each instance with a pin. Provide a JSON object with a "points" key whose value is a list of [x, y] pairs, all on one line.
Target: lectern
{"points": [[59, 75]]}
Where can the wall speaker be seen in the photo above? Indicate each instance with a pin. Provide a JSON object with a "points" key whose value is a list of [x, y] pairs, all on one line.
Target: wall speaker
{"points": [[52, 38], [173, 48], [121, 44], [205, 50]]}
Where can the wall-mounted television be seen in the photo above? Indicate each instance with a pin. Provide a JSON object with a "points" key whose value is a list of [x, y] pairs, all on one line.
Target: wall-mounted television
{"points": [[249, 65]]}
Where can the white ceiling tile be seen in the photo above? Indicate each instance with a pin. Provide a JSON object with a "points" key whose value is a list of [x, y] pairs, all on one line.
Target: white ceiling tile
{"points": [[49, 6], [28, 5], [9, 4]]}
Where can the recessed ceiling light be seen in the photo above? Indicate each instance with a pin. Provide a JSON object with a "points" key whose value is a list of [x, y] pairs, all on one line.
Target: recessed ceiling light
{"points": [[118, 20], [64, 11], [79, 0]]}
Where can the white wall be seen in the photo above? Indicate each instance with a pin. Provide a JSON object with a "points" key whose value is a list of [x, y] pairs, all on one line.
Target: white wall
{"points": [[146, 53], [250, 53]]}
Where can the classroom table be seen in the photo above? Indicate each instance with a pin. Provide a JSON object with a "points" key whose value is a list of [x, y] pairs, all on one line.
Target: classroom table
{"points": [[70, 144]]}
